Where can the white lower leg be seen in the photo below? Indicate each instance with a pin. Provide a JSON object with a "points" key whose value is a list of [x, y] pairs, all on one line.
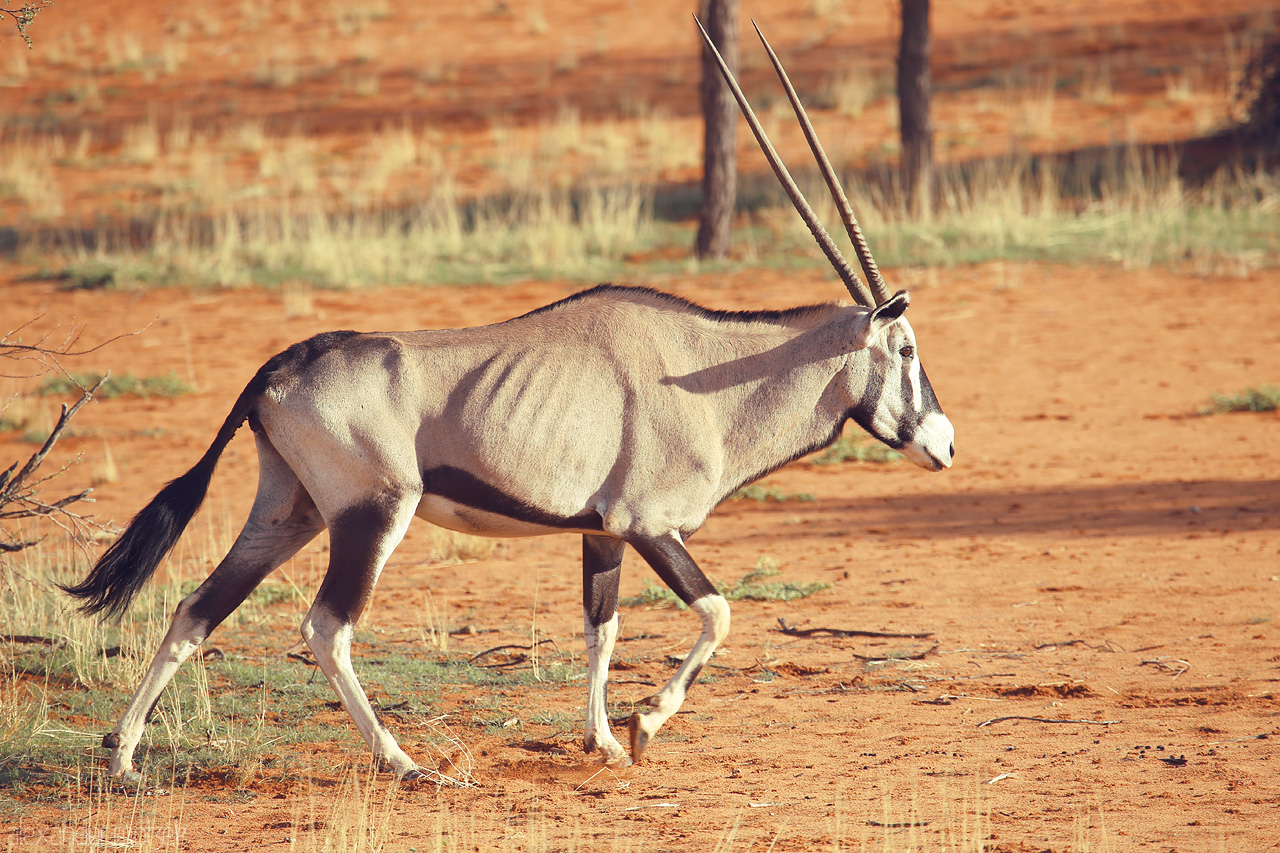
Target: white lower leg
{"points": [[714, 612], [183, 637], [330, 641], [597, 736]]}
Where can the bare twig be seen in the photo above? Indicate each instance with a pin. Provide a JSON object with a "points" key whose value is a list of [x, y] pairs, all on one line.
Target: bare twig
{"points": [[479, 655], [919, 656], [823, 691], [46, 354], [842, 632], [29, 639], [1262, 736], [995, 720], [1104, 646], [20, 492], [1175, 665]]}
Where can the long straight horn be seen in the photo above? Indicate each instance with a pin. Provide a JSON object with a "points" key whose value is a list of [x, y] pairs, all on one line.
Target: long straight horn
{"points": [[850, 278], [878, 287]]}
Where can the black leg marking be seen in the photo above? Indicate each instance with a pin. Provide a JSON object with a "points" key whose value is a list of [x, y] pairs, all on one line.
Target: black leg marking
{"points": [[260, 548], [692, 677], [283, 519], [601, 569], [676, 568], [673, 564], [354, 537], [363, 536]]}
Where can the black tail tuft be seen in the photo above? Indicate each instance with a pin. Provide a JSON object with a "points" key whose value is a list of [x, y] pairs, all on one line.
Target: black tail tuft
{"points": [[130, 562]]}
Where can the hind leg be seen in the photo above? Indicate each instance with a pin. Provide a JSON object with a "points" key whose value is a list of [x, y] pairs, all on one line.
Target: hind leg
{"points": [[282, 520], [361, 539]]}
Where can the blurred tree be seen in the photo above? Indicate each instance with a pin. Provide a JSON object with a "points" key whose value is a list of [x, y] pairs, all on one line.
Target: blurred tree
{"points": [[914, 93], [720, 122], [1257, 96]]}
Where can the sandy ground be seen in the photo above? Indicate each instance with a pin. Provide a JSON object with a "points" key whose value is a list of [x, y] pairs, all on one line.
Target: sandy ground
{"points": [[1100, 553]]}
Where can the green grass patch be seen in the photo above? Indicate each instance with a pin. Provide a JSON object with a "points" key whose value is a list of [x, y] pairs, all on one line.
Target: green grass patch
{"points": [[761, 493], [752, 586], [856, 449], [118, 385], [65, 680], [1264, 398]]}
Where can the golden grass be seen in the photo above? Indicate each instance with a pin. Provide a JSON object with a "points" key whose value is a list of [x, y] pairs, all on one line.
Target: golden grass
{"points": [[573, 195], [450, 546], [29, 171]]}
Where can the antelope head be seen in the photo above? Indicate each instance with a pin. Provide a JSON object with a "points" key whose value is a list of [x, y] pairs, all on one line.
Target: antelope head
{"points": [[889, 393]]}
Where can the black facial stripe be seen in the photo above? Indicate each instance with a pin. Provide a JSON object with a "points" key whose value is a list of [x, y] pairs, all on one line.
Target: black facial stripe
{"points": [[929, 403], [906, 426], [864, 411], [463, 487]]}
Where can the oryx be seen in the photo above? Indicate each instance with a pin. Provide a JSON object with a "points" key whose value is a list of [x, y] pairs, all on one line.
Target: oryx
{"points": [[624, 415]]}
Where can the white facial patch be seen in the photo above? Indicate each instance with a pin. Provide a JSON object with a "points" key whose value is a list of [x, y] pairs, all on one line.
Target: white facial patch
{"points": [[913, 377]]}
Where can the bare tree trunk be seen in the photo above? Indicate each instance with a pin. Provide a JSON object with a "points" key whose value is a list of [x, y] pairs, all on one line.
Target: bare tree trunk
{"points": [[720, 121], [914, 92]]}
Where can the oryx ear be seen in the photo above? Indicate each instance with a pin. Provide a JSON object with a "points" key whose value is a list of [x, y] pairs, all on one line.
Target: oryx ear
{"points": [[891, 309], [870, 324]]}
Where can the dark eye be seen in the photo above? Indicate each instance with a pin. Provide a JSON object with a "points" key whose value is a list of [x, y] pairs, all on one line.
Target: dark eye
{"points": [[907, 352]]}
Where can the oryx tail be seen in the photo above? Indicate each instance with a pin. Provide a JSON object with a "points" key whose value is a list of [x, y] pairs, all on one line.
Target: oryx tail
{"points": [[130, 562]]}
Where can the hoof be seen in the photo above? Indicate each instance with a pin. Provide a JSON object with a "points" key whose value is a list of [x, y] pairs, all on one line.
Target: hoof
{"points": [[616, 760], [639, 738], [129, 779], [414, 776], [611, 752]]}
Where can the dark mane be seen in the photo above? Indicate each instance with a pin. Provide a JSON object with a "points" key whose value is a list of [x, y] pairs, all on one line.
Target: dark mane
{"points": [[681, 304]]}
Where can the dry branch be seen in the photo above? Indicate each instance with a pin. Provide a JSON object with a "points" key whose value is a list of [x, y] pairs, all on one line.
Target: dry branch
{"points": [[522, 659], [887, 658], [843, 632], [20, 493], [995, 720], [1175, 665]]}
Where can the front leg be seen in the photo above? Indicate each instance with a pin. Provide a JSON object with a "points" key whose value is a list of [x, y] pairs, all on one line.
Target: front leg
{"points": [[668, 557], [601, 568]]}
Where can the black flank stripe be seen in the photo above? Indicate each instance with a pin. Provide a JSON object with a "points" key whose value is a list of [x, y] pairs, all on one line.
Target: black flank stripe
{"points": [[463, 487]]}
